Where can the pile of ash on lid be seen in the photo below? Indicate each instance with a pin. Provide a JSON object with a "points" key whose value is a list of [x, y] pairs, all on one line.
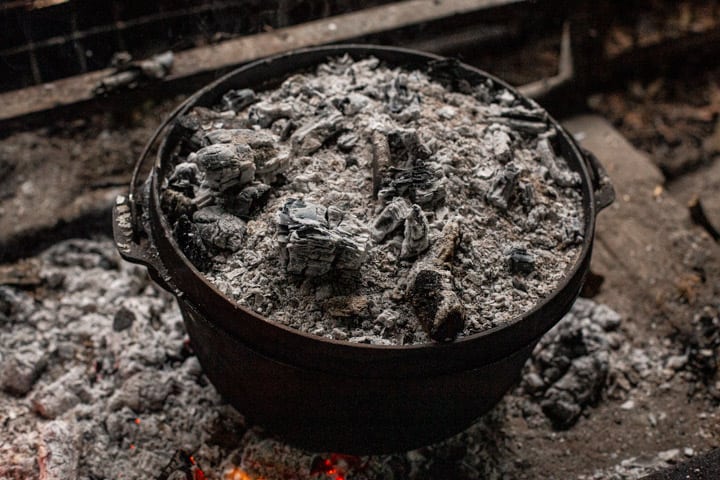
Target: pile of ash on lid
{"points": [[373, 204]]}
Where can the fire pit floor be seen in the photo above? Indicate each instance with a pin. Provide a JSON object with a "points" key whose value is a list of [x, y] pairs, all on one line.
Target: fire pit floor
{"points": [[98, 380]]}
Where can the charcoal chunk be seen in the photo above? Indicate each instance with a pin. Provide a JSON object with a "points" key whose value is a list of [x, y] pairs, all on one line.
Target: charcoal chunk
{"points": [[176, 204], [245, 201], [226, 165], [193, 125], [415, 237], [310, 137], [390, 218], [218, 229], [521, 261], [352, 104], [422, 184], [406, 148], [398, 96], [190, 242], [380, 159], [238, 100], [310, 251], [500, 145], [503, 188], [123, 319], [436, 305], [184, 178], [263, 146], [347, 141], [311, 245], [265, 113], [352, 244], [561, 175], [20, 370]]}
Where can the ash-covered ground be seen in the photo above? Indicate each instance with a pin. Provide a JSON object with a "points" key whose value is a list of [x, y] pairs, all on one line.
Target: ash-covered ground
{"points": [[98, 380]]}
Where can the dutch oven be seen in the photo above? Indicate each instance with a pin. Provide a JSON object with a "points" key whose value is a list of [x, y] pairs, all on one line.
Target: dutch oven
{"points": [[323, 394]]}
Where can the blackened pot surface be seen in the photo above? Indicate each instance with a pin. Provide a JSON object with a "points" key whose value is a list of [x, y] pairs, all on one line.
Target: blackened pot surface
{"points": [[333, 395], [321, 411]]}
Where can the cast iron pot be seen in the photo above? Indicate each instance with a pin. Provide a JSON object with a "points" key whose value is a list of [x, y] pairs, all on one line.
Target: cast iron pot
{"points": [[322, 394]]}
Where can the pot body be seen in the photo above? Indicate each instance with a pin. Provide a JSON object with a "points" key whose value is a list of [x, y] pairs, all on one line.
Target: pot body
{"points": [[327, 395], [325, 411]]}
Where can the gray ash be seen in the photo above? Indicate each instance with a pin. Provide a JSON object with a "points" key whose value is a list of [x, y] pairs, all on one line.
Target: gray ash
{"points": [[399, 155], [101, 402], [570, 365]]}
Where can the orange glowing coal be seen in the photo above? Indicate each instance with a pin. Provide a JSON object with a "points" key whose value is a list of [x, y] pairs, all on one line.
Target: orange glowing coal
{"points": [[336, 466], [238, 473]]}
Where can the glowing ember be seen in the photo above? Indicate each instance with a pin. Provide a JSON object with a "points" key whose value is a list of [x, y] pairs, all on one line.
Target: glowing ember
{"points": [[196, 472], [238, 473], [184, 464], [336, 466]]}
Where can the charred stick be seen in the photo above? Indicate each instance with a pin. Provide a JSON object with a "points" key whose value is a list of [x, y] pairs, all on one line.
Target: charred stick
{"points": [[380, 158]]}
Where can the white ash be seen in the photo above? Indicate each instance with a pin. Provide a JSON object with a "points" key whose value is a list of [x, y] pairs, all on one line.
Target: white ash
{"points": [[108, 403], [403, 155], [569, 369], [95, 401]]}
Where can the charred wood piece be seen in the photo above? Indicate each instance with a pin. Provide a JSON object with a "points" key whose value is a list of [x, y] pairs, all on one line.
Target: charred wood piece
{"points": [[347, 141], [352, 104], [423, 184], [449, 71], [415, 237], [268, 162], [184, 178], [525, 114], [436, 306], [248, 200], [238, 100], [131, 74], [311, 136], [176, 204], [308, 244], [443, 250], [527, 196], [398, 96], [520, 261], [380, 158], [265, 113], [219, 230], [352, 245], [199, 121], [390, 218], [406, 148], [190, 242], [310, 251], [533, 127], [225, 165], [561, 176], [500, 145], [503, 188]]}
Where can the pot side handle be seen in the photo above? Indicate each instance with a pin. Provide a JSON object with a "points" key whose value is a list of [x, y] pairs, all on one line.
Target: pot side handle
{"points": [[128, 230], [603, 191], [133, 248]]}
